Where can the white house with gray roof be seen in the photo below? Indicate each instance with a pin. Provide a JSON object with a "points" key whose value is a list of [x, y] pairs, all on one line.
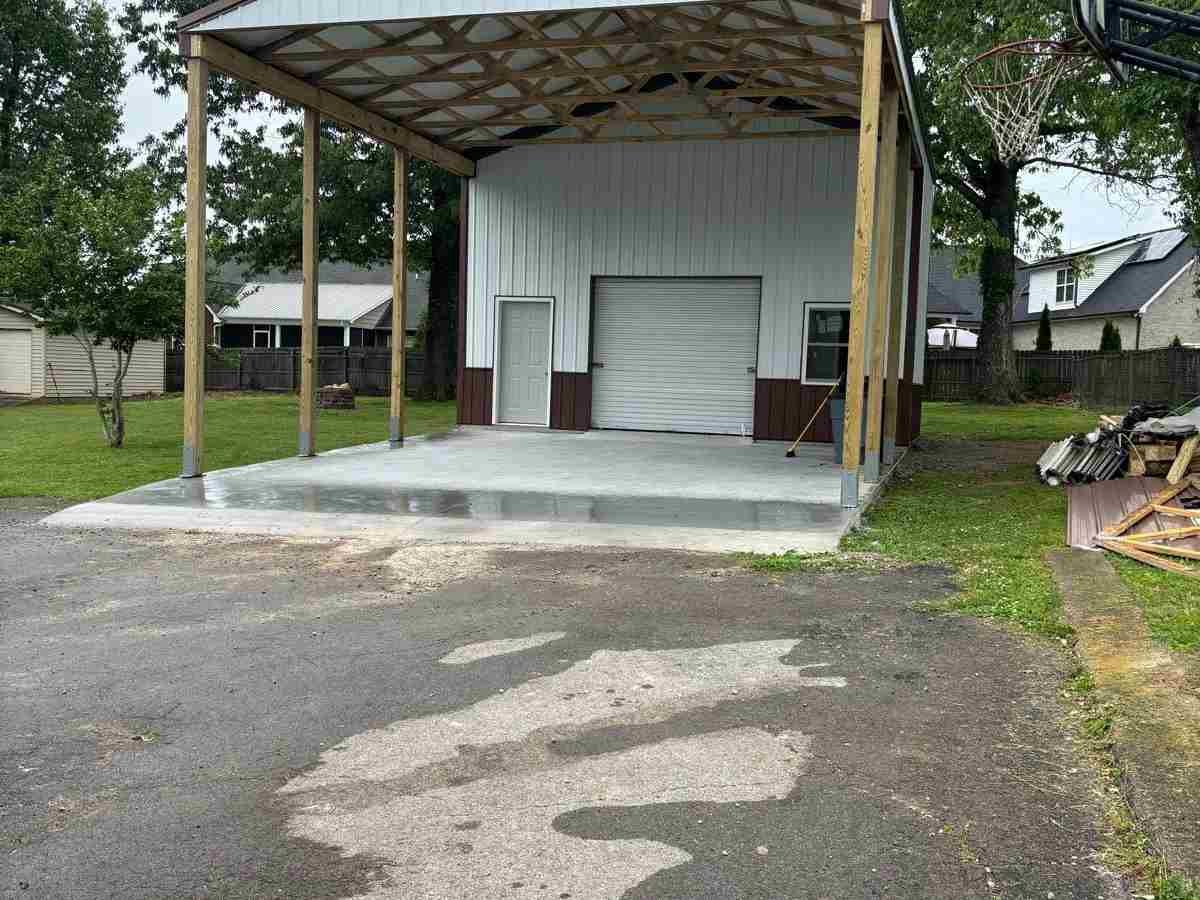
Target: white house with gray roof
{"points": [[355, 308], [1144, 284]]}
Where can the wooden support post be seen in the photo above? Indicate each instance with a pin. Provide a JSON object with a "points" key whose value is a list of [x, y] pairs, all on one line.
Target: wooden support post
{"points": [[881, 297], [308, 313], [195, 288], [864, 234], [399, 293], [900, 255]]}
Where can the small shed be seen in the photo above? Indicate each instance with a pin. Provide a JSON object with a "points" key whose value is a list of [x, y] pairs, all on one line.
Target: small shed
{"points": [[35, 363]]}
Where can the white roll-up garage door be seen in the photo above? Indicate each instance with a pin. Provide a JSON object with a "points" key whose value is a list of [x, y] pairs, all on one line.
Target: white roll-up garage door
{"points": [[675, 354], [16, 373]]}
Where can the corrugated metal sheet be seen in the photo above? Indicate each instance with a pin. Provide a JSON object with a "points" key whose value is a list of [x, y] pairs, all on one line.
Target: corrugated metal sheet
{"points": [[283, 13], [68, 373], [678, 354], [337, 304], [546, 219]]}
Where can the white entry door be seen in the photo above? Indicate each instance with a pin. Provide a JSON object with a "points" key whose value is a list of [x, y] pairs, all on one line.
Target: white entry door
{"points": [[16, 372], [675, 354], [523, 367]]}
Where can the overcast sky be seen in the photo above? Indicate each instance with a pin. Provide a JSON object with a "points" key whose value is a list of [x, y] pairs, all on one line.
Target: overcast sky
{"points": [[1088, 214]]}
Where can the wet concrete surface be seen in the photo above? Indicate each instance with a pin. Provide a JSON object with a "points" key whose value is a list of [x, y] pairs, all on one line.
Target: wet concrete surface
{"points": [[514, 506], [598, 488], [184, 712]]}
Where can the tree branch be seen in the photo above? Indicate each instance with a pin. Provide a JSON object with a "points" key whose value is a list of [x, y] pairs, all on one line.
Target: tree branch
{"points": [[1105, 173], [972, 196]]}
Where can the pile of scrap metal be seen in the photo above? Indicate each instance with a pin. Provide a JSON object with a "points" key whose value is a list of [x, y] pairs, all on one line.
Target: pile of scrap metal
{"points": [[1160, 547], [1146, 438]]}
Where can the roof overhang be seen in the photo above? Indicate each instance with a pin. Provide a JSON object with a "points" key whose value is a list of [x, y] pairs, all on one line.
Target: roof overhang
{"points": [[467, 77]]}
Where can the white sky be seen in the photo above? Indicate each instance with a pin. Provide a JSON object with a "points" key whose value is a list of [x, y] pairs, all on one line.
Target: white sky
{"points": [[1088, 213]]}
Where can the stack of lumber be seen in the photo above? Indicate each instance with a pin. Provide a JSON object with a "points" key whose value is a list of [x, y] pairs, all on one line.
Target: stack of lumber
{"points": [[1144, 519], [1172, 458]]}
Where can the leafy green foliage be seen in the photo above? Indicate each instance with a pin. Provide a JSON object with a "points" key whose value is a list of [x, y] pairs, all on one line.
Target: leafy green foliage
{"points": [[983, 211], [61, 79], [48, 450], [1045, 342], [98, 264], [1110, 338]]}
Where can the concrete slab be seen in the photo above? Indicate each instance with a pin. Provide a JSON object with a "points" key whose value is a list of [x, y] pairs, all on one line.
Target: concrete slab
{"points": [[516, 486]]}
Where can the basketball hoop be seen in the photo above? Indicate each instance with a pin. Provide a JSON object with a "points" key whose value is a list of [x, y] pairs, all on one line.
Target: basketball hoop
{"points": [[1011, 85]]}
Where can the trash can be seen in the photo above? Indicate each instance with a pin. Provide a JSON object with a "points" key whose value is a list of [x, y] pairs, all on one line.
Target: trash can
{"points": [[837, 414]]}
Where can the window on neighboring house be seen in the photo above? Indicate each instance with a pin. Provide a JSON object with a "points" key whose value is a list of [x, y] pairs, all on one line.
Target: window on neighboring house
{"points": [[262, 336], [217, 335], [826, 341], [1064, 289]]}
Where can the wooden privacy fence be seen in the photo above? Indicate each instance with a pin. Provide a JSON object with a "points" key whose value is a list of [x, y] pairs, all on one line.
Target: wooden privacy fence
{"points": [[1111, 380], [367, 369]]}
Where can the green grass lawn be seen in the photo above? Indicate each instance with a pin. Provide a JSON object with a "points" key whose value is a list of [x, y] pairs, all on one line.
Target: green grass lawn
{"points": [[1020, 422], [57, 450], [973, 503]]}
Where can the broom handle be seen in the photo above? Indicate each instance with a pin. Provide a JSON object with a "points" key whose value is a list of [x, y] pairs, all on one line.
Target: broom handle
{"points": [[796, 443]]}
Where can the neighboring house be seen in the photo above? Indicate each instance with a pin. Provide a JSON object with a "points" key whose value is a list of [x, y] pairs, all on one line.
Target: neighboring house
{"points": [[34, 363], [953, 299], [354, 308], [1144, 284]]}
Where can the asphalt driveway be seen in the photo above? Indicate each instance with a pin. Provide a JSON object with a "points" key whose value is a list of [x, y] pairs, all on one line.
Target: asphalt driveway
{"points": [[203, 716]]}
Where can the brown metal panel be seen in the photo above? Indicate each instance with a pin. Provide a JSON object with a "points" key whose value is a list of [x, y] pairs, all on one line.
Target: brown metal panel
{"points": [[475, 397], [571, 400]]}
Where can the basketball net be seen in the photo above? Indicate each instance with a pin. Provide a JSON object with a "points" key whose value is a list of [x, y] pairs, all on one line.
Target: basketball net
{"points": [[1011, 84]]}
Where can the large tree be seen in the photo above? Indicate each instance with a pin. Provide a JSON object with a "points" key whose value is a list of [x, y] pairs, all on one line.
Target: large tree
{"points": [[981, 206], [254, 187], [61, 80]]}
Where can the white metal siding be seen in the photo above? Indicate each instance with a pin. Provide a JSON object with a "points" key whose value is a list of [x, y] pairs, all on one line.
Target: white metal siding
{"points": [[68, 374], [678, 354], [545, 219], [15, 369]]}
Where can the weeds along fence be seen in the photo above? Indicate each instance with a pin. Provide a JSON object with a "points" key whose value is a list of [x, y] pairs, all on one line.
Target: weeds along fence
{"points": [[366, 369], [1110, 380]]}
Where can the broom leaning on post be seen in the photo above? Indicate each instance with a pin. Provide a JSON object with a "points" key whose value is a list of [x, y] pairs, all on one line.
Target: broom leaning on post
{"points": [[796, 443]]}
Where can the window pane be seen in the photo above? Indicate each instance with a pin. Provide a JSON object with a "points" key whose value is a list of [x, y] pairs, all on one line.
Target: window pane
{"points": [[829, 326], [825, 363]]}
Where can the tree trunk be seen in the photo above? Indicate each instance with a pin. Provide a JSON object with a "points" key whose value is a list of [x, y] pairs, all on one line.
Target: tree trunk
{"points": [[441, 338], [997, 278], [1189, 126]]}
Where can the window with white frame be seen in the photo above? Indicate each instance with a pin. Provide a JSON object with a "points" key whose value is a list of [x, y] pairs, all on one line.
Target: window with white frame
{"points": [[262, 336], [217, 335], [826, 341], [1064, 287]]}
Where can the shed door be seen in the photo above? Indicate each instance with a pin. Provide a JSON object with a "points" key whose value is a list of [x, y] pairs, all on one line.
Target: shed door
{"points": [[16, 373], [675, 354]]}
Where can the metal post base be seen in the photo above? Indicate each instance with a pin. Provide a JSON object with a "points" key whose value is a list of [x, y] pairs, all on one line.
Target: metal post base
{"points": [[870, 466], [306, 444], [191, 463], [889, 451], [850, 490], [395, 432]]}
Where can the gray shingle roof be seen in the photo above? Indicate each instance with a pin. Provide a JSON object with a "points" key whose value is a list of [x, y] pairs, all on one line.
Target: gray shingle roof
{"points": [[1146, 271], [950, 295]]}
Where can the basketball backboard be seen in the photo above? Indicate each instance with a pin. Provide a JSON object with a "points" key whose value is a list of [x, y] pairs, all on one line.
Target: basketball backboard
{"points": [[1093, 19]]}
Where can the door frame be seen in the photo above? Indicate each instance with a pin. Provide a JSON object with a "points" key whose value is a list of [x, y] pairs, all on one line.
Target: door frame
{"points": [[499, 320]]}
